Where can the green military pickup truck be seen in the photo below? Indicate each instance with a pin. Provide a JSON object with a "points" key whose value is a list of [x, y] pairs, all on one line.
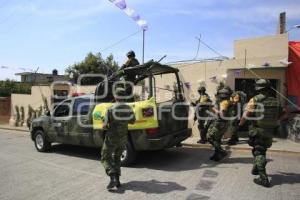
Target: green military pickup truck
{"points": [[71, 121]]}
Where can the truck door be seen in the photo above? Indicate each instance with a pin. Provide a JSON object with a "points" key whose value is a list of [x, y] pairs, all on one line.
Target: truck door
{"points": [[60, 122], [80, 125]]}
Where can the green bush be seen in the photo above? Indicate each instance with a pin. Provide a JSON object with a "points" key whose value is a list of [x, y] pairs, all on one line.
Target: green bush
{"points": [[8, 87]]}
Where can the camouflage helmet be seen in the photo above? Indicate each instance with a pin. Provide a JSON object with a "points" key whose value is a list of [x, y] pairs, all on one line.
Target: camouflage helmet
{"points": [[262, 84], [235, 97], [224, 93], [201, 89], [130, 54]]}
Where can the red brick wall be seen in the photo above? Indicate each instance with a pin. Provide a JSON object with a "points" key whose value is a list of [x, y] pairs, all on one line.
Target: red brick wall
{"points": [[5, 107]]}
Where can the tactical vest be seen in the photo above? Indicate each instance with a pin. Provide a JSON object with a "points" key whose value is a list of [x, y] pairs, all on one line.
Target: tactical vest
{"points": [[269, 113], [203, 105]]}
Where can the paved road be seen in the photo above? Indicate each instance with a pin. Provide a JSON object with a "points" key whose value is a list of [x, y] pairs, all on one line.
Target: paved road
{"points": [[70, 172]]}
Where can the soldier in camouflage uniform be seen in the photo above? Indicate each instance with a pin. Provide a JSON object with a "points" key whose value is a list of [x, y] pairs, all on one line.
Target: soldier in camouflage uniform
{"points": [[131, 62], [219, 124], [116, 126], [202, 106], [266, 111], [233, 124]]}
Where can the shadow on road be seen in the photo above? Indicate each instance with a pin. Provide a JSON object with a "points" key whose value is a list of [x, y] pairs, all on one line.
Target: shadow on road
{"points": [[77, 151], [150, 187], [174, 159], [242, 160], [284, 178]]}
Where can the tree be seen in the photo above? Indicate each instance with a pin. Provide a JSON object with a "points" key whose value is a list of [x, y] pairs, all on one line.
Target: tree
{"points": [[9, 86], [92, 64]]}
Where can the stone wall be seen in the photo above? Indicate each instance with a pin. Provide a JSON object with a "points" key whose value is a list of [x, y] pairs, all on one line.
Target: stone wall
{"points": [[5, 107]]}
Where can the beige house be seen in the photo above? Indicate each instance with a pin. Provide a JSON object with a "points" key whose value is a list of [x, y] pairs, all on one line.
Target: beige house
{"points": [[39, 78], [262, 57]]}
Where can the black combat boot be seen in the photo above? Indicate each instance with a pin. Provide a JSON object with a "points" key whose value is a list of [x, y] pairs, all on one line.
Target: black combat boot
{"points": [[254, 170], [201, 141], [221, 155], [214, 156], [113, 182], [202, 137], [264, 183], [118, 181], [233, 140]]}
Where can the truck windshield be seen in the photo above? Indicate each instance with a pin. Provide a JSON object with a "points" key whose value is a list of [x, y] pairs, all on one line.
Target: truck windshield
{"points": [[81, 106]]}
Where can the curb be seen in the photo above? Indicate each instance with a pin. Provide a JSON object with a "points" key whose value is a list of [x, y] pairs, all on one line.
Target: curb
{"points": [[207, 146], [13, 129]]}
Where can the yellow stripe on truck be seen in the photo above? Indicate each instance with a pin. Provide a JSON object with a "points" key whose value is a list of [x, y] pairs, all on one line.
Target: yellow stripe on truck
{"points": [[138, 107]]}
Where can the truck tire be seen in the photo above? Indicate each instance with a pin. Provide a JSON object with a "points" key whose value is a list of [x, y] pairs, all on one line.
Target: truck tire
{"points": [[40, 141], [129, 155]]}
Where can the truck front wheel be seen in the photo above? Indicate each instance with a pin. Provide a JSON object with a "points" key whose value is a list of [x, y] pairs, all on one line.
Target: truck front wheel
{"points": [[40, 141]]}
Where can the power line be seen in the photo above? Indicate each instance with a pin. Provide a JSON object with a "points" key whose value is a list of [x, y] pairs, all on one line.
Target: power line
{"points": [[121, 40], [212, 49]]}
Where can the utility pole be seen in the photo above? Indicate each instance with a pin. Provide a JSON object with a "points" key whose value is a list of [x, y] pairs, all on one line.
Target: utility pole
{"points": [[143, 53], [199, 42]]}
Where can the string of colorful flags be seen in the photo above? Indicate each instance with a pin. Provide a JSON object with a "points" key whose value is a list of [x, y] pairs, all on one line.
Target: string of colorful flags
{"points": [[16, 68], [130, 12]]}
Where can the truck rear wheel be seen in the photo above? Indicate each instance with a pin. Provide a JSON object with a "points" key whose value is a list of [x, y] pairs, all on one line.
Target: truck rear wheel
{"points": [[40, 141], [129, 155]]}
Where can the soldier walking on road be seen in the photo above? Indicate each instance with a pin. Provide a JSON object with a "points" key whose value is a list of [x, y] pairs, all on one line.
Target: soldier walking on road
{"points": [[202, 106], [219, 125], [265, 111], [235, 111], [116, 125]]}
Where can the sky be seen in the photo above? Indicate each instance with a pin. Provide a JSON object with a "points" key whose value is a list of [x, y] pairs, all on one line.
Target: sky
{"points": [[58, 33]]}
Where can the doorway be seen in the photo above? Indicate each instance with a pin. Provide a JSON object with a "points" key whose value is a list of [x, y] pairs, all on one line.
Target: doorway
{"points": [[248, 86]]}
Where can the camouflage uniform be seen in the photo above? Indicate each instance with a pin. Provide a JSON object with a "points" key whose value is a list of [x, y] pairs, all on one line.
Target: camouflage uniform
{"points": [[131, 62], [116, 123], [202, 106], [219, 125], [261, 130], [116, 137], [233, 124]]}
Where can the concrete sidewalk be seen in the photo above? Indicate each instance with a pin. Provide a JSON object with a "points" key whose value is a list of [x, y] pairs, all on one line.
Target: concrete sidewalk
{"points": [[279, 145], [14, 128]]}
